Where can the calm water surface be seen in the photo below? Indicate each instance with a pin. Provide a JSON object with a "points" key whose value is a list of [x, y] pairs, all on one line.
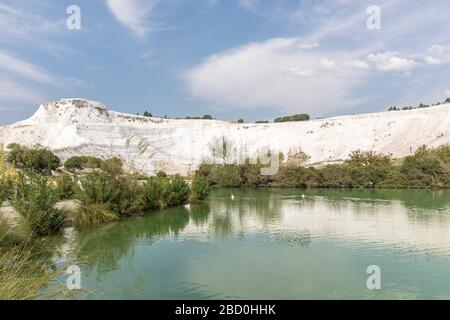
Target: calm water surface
{"points": [[269, 244]]}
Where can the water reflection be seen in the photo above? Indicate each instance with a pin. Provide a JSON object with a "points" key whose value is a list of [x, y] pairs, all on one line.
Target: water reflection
{"points": [[400, 219], [300, 240]]}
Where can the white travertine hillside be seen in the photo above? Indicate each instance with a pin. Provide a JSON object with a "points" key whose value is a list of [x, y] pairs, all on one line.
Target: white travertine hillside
{"points": [[81, 127]]}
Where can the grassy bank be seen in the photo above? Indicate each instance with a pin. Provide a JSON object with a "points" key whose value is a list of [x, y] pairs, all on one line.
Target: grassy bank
{"points": [[103, 190]]}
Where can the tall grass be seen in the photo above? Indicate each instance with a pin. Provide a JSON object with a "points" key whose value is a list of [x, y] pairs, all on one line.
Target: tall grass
{"points": [[22, 270]]}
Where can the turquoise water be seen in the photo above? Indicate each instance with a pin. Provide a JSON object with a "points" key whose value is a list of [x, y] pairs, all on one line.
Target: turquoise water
{"points": [[269, 244]]}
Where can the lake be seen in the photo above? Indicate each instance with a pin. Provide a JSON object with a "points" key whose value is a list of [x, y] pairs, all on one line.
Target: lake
{"points": [[269, 244]]}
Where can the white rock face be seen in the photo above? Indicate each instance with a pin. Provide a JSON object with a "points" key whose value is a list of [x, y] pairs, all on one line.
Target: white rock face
{"points": [[80, 127]]}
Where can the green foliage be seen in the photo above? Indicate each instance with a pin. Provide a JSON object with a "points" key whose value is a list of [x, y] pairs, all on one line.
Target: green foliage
{"points": [[147, 114], [163, 192], [161, 174], [35, 201], [199, 188], [262, 121], [93, 213], [335, 176], [226, 176], [425, 169], [37, 158], [240, 121], [207, 117], [119, 194], [295, 117], [113, 166], [367, 169], [84, 162], [66, 187]]}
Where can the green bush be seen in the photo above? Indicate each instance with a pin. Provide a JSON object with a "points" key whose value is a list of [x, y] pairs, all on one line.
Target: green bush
{"points": [[119, 194], [66, 186], [427, 168], [37, 158], [6, 190], [93, 213], [165, 192], [199, 188], [35, 201], [368, 169], [226, 176], [84, 162], [113, 166], [296, 117]]}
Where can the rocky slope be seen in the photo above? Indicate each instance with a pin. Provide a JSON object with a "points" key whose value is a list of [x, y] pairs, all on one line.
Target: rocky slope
{"points": [[81, 127]]}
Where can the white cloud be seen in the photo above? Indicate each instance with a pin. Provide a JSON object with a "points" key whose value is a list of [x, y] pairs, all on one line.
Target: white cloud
{"points": [[134, 14], [357, 64], [275, 74], [391, 62], [437, 49], [26, 70], [308, 45], [431, 60], [329, 65]]}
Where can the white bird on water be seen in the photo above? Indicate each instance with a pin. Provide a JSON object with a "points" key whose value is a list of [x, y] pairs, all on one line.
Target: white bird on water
{"points": [[303, 196], [232, 197]]}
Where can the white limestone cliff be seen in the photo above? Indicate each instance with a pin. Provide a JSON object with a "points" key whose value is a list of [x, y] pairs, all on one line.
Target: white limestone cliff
{"points": [[82, 127]]}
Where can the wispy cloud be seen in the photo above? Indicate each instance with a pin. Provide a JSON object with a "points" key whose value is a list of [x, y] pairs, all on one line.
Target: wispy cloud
{"points": [[26, 70], [135, 15], [13, 92]]}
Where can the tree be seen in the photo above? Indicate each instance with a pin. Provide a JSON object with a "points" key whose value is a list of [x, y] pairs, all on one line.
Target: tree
{"points": [[295, 117], [240, 121], [147, 114], [37, 158], [207, 117]]}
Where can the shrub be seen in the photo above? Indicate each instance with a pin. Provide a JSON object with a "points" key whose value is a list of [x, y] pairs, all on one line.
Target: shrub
{"points": [[427, 168], [119, 194], [93, 213], [37, 158], [85, 162], [335, 176], [178, 191], [367, 169], [73, 163], [240, 121], [154, 193], [113, 166], [66, 186], [34, 201], [226, 176], [296, 117], [164, 192], [199, 188], [293, 176]]}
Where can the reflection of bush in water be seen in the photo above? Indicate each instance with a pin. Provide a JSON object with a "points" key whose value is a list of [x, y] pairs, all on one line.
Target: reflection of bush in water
{"points": [[103, 247], [411, 199], [263, 203], [200, 213]]}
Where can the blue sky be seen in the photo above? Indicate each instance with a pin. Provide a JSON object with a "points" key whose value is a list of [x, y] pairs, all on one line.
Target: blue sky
{"points": [[255, 59]]}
